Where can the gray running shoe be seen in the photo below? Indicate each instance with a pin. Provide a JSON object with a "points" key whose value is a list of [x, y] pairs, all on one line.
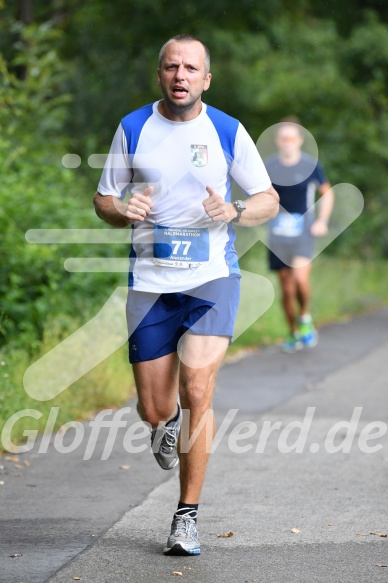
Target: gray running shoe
{"points": [[164, 442], [183, 539]]}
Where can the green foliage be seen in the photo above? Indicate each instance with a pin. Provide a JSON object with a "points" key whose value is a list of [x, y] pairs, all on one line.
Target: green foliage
{"points": [[337, 87], [37, 192]]}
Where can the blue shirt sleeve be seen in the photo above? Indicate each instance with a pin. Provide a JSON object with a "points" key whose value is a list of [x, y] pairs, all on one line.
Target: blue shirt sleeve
{"points": [[319, 174]]}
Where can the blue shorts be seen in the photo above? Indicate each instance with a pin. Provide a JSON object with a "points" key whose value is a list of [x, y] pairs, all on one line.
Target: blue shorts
{"points": [[156, 322]]}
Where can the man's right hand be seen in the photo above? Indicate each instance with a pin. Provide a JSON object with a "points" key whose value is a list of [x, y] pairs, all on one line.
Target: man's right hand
{"points": [[139, 205], [117, 213]]}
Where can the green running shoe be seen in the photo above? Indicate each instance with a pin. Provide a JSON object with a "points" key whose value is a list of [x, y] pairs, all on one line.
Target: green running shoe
{"points": [[308, 334], [292, 344]]}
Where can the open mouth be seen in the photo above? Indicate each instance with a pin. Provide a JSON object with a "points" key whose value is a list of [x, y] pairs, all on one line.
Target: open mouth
{"points": [[178, 90]]}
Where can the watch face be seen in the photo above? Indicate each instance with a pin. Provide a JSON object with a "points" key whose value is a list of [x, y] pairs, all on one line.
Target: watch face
{"points": [[240, 205]]}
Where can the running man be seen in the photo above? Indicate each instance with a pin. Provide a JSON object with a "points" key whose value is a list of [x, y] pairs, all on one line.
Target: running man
{"points": [[177, 157], [296, 177]]}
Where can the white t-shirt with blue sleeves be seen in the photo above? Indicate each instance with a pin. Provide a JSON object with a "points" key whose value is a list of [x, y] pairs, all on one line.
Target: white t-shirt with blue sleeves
{"points": [[178, 247]]}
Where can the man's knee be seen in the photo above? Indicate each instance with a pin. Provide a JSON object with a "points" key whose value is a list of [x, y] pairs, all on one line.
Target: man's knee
{"points": [[154, 414], [302, 280], [195, 395]]}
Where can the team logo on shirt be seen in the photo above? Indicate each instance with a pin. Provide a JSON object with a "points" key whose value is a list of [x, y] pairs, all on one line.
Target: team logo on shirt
{"points": [[198, 155]]}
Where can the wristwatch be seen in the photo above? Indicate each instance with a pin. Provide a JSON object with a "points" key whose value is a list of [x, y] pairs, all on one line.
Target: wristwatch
{"points": [[240, 207]]}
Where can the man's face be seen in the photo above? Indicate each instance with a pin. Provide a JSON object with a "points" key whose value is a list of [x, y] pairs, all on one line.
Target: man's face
{"points": [[182, 75], [288, 139]]}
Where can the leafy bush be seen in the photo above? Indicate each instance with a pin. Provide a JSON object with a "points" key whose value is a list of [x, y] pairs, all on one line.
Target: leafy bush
{"points": [[37, 192]]}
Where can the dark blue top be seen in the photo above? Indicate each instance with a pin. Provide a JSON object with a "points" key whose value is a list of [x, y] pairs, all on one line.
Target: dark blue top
{"points": [[296, 185]]}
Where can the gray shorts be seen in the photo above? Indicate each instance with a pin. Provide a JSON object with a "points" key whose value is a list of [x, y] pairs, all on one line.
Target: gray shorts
{"points": [[283, 250], [289, 237]]}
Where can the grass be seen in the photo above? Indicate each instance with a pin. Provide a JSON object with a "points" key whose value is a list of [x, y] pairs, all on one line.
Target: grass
{"points": [[341, 287], [108, 385]]}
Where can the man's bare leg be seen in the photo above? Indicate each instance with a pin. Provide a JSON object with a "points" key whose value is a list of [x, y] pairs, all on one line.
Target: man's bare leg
{"points": [[157, 383], [288, 288], [301, 271], [196, 385], [301, 274]]}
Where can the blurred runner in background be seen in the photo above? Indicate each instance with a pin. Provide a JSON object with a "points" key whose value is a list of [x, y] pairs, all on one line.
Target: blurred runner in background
{"points": [[297, 177]]}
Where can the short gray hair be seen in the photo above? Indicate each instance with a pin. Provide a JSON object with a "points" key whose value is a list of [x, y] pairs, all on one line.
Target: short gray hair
{"points": [[185, 38]]}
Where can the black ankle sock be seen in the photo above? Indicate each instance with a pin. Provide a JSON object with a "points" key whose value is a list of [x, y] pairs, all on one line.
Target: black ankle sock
{"points": [[190, 509]]}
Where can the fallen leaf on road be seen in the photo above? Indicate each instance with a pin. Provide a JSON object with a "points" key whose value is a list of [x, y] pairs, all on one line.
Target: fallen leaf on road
{"points": [[295, 530], [125, 467], [381, 565], [330, 524], [77, 579], [18, 466], [226, 535], [188, 568], [177, 574], [16, 555], [26, 463], [382, 534], [11, 458], [360, 533]]}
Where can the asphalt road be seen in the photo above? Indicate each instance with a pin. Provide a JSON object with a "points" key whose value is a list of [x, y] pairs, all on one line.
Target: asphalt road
{"points": [[103, 521]]}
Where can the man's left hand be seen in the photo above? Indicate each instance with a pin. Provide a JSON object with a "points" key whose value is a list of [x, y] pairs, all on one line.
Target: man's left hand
{"points": [[319, 228], [217, 208]]}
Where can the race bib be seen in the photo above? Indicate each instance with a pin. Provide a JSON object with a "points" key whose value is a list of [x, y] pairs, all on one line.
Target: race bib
{"points": [[183, 247], [288, 225]]}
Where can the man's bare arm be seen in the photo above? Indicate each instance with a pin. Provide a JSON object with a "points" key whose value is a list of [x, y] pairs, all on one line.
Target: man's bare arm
{"points": [[320, 226], [327, 201], [120, 214], [260, 207]]}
